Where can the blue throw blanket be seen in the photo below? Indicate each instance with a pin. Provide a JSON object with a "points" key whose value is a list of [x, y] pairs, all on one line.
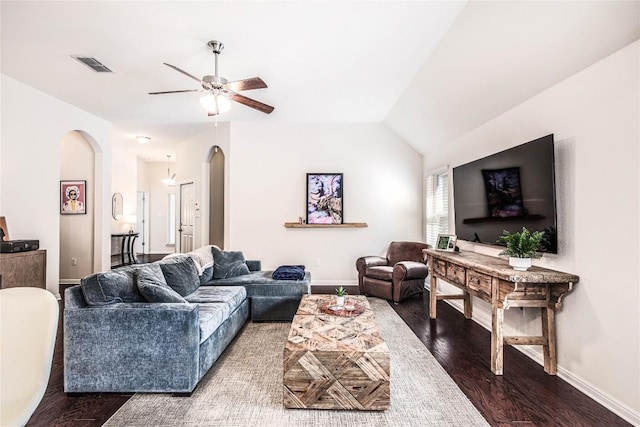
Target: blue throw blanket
{"points": [[289, 272]]}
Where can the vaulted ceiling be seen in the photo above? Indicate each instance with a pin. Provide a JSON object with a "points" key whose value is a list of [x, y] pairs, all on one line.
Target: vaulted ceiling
{"points": [[430, 70]]}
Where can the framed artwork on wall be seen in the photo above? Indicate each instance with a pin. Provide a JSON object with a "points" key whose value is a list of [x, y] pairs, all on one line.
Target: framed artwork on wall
{"points": [[324, 198], [73, 197]]}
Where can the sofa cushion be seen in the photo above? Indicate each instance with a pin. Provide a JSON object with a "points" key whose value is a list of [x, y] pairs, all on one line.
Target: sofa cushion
{"points": [[153, 286], [111, 287], [382, 272], [261, 283], [233, 295], [181, 274], [228, 264], [211, 316], [216, 304]]}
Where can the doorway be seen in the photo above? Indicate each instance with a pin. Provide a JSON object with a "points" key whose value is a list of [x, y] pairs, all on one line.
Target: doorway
{"points": [[187, 217], [216, 197], [77, 230]]}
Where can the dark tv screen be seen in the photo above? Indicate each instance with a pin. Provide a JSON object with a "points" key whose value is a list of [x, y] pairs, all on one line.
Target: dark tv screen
{"points": [[508, 190]]}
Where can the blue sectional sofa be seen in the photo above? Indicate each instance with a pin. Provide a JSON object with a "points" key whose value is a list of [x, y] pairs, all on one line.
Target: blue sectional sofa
{"points": [[160, 327]]}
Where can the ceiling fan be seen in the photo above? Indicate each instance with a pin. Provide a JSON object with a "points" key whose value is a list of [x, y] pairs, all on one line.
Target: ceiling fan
{"points": [[220, 91]]}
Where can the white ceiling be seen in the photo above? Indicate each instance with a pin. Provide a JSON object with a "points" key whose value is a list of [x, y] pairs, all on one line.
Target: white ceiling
{"points": [[499, 54], [430, 70]]}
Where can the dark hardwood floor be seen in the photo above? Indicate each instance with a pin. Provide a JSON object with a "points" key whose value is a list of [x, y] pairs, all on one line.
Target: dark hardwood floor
{"points": [[523, 396]]}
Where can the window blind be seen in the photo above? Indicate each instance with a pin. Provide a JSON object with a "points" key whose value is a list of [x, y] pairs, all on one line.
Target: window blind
{"points": [[437, 209]]}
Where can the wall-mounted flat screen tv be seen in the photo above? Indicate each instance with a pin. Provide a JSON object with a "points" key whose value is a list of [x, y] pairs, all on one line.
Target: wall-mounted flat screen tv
{"points": [[508, 190]]}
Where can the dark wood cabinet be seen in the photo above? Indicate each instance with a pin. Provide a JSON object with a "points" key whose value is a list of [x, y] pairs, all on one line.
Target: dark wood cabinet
{"points": [[24, 269]]}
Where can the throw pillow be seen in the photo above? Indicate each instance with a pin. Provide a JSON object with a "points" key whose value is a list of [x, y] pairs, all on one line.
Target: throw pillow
{"points": [[207, 275], [111, 287], [153, 286], [228, 264], [181, 274]]}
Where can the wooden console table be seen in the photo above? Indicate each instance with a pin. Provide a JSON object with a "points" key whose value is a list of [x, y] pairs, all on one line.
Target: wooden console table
{"points": [[492, 280], [127, 249]]}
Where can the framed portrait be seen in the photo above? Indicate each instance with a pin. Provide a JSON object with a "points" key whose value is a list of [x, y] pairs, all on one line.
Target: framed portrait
{"points": [[324, 198], [502, 188], [73, 197], [4, 228], [446, 242]]}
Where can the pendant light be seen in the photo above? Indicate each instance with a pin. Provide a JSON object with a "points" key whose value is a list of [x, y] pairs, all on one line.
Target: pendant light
{"points": [[170, 180]]}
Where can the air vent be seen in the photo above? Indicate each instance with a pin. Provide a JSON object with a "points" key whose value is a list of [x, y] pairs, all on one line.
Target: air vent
{"points": [[93, 63]]}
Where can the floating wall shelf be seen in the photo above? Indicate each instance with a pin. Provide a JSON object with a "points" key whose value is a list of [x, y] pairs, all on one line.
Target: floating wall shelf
{"points": [[344, 225], [502, 219]]}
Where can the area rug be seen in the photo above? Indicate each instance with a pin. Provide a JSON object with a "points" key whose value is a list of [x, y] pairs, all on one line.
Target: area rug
{"points": [[244, 388]]}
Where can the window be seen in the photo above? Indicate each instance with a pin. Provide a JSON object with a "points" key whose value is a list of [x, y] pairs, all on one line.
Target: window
{"points": [[171, 223], [437, 209]]}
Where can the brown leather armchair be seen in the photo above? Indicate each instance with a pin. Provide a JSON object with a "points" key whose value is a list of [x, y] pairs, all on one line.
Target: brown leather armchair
{"points": [[398, 276]]}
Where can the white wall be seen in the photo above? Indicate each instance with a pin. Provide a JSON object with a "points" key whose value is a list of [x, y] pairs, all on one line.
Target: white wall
{"points": [[269, 162], [76, 231], [595, 118], [32, 126], [265, 176]]}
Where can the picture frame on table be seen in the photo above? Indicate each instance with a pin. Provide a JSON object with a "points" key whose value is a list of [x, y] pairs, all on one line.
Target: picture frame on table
{"points": [[324, 198], [73, 197], [446, 242]]}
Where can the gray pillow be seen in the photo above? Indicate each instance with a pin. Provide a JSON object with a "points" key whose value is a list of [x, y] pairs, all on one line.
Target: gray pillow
{"points": [[228, 264], [207, 275], [153, 286], [181, 274], [111, 287]]}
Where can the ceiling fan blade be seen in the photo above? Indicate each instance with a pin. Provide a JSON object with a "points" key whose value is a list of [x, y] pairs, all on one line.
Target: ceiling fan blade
{"points": [[246, 84], [267, 109], [183, 72], [175, 91]]}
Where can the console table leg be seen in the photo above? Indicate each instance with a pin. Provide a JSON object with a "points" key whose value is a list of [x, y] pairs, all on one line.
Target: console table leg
{"points": [[122, 251], [497, 340], [433, 297], [467, 305], [549, 333]]}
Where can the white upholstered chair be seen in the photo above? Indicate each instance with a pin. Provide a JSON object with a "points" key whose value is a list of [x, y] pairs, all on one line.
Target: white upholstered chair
{"points": [[28, 327]]}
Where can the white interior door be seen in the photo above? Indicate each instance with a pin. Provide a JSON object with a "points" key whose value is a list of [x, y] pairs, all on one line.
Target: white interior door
{"points": [[187, 216], [142, 222]]}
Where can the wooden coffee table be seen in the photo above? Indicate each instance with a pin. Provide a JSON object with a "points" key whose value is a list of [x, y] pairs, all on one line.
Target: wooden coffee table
{"points": [[335, 361]]}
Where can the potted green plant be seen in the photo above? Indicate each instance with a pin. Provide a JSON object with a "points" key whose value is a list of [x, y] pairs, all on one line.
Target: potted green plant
{"points": [[340, 294], [521, 247]]}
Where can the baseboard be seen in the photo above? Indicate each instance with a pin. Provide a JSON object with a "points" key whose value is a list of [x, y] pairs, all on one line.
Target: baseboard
{"points": [[609, 402], [69, 281], [334, 283]]}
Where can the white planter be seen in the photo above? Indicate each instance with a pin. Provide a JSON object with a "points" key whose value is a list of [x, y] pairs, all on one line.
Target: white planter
{"points": [[339, 300], [520, 264]]}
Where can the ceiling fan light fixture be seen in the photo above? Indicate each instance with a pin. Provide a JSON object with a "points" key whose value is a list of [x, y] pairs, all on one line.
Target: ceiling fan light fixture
{"points": [[215, 103]]}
